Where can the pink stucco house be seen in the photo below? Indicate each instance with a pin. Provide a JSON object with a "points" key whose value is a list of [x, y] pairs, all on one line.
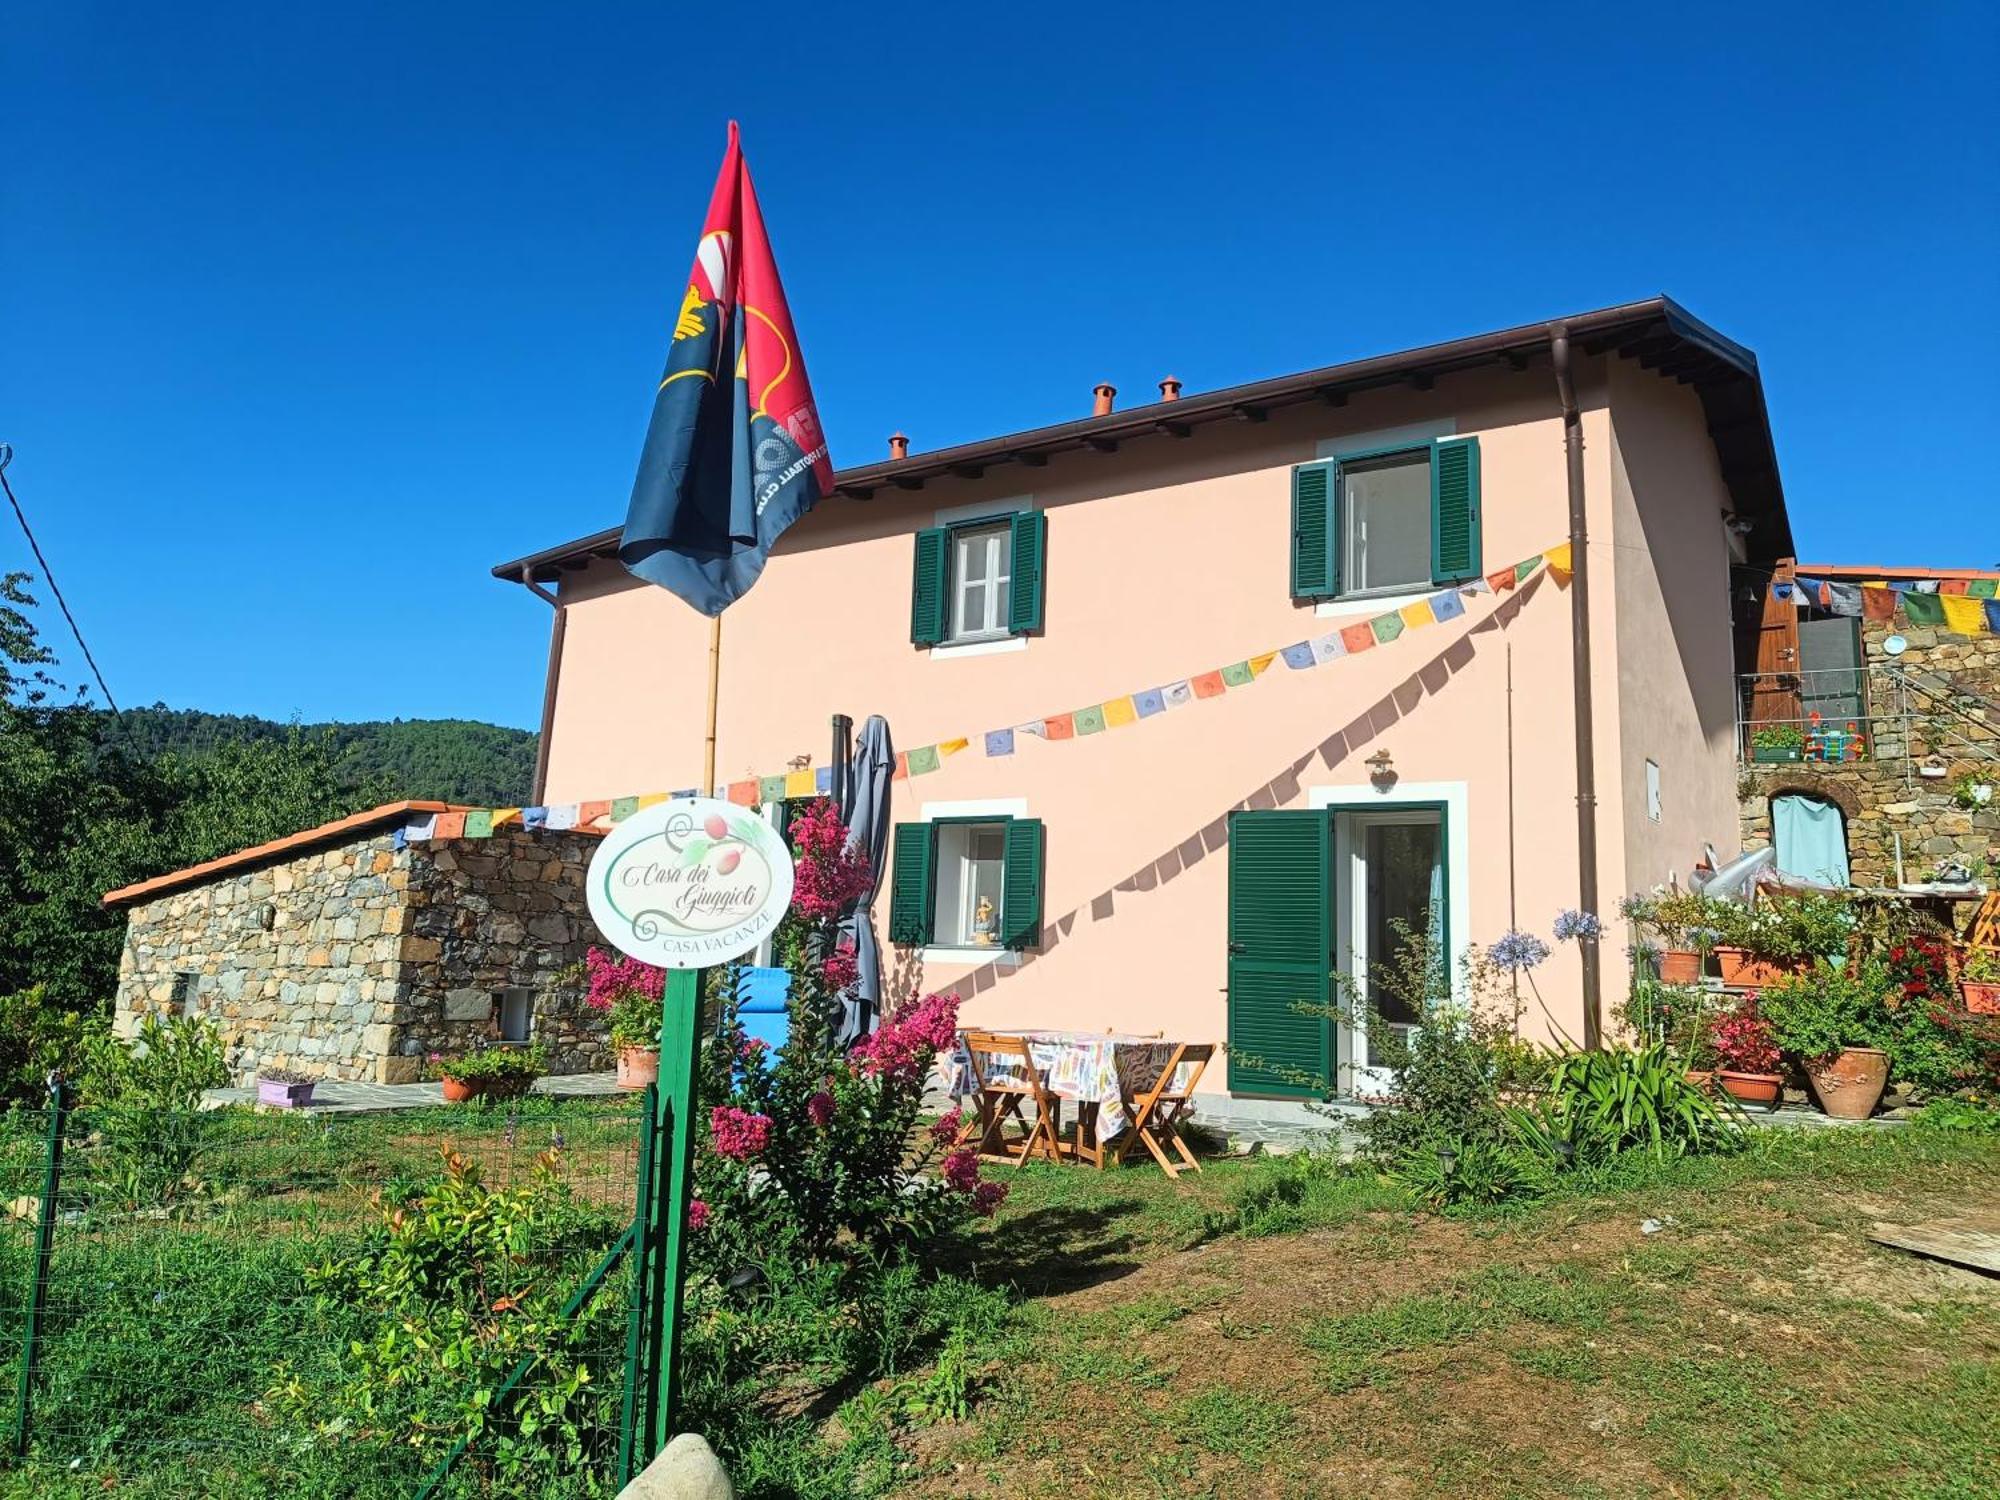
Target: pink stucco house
{"points": [[1196, 870]]}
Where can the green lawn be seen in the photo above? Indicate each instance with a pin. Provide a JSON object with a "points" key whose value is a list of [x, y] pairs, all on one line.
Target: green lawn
{"points": [[1325, 1342]]}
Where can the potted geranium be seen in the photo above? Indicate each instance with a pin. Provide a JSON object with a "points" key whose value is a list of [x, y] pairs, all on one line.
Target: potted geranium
{"points": [[628, 992], [281, 1088], [1746, 1053], [1833, 1020], [502, 1072], [1979, 981]]}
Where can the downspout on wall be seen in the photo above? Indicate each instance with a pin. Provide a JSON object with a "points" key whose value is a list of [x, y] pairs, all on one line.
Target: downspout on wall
{"points": [[549, 681], [1579, 630]]}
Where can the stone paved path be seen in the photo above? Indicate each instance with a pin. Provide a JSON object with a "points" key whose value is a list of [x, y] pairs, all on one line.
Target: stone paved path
{"points": [[339, 1098]]}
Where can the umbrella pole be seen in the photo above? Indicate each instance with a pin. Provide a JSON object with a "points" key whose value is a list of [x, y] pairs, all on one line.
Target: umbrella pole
{"points": [[707, 788]]}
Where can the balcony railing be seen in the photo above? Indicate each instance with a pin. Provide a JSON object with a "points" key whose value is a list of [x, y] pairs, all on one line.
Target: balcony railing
{"points": [[1850, 714]]}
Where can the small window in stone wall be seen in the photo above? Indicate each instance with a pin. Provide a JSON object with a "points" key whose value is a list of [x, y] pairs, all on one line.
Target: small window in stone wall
{"points": [[181, 1001], [516, 1008]]}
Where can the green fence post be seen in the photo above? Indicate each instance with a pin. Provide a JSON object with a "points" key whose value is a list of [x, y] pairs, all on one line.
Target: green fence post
{"points": [[636, 1365], [45, 1244], [680, 1027]]}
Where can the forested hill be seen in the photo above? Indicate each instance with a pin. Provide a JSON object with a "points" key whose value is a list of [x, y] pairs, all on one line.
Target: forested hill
{"points": [[445, 760]]}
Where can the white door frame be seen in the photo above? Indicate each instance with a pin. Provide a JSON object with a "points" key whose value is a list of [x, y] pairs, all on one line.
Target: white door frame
{"points": [[1363, 801]]}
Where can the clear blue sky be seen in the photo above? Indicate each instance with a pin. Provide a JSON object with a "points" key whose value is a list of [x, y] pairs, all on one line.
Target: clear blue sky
{"points": [[311, 313]]}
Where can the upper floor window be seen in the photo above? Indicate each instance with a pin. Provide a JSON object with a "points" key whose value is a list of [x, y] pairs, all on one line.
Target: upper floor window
{"points": [[981, 566], [1386, 522], [978, 580]]}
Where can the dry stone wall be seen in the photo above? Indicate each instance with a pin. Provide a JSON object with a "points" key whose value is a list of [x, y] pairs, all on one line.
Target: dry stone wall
{"points": [[1947, 716]]}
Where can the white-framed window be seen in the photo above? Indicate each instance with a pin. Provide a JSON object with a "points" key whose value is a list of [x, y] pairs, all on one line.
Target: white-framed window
{"points": [[970, 875], [982, 565], [1385, 517]]}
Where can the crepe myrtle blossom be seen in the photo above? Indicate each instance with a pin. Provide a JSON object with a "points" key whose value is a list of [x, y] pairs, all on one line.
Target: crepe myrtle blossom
{"points": [[819, 1109], [988, 1196], [697, 1214], [1517, 951], [738, 1134], [610, 977], [829, 873], [841, 969], [947, 1125], [905, 1043], [1575, 926]]}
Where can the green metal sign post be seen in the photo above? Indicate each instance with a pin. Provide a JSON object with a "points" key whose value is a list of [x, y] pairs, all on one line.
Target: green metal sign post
{"points": [[673, 1183]]}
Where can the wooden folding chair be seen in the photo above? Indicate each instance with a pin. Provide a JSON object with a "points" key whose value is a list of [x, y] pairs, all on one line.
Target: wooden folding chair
{"points": [[1157, 1114], [1003, 1097]]}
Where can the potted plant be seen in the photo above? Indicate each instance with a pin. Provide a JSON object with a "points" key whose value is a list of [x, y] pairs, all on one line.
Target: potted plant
{"points": [[1781, 936], [1970, 793], [1746, 1053], [1684, 922], [1832, 1021], [1979, 981], [281, 1088], [1777, 744], [501, 1072], [629, 992]]}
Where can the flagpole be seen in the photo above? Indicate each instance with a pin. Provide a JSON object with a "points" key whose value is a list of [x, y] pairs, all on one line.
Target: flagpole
{"points": [[707, 788]]}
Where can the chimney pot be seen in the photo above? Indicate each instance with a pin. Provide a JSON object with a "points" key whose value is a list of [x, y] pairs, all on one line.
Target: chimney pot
{"points": [[899, 446], [1170, 388], [1104, 394]]}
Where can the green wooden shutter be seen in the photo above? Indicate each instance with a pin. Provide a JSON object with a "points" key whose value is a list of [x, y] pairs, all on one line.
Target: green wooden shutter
{"points": [[927, 587], [1021, 884], [1024, 589], [1315, 552], [910, 885], [1281, 953], [1455, 511]]}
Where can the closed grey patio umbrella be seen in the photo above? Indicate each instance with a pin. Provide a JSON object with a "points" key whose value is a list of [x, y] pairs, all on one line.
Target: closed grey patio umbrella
{"points": [[867, 817]]}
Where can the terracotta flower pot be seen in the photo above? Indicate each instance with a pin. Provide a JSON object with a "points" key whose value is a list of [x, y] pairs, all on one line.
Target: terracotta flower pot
{"points": [[1761, 1089], [1981, 998], [1849, 1084], [458, 1090], [638, 1067], [1702, 1079], [1743, 971], [1680, 966]]}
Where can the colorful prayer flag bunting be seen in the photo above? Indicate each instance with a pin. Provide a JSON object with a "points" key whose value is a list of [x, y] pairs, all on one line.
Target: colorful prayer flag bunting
{"points": [[505, 815], [999, 742], [1358, 638], [1326, 647], [1090, 720], [924, 760], [1210, 684], [1177, 694], [534, 817], [623, 808], [478, 823], [823, 781], [1924, 609], [1983, 588], [588, 813], [1238, 674], [1878, 604], [1299, 655], [952, 747], [1060, 727], [1151, 701], [743, 793], [1447, 605], [1386, 627], [1963, 614], [1417, 614], [1118, 712], [450, 825], [801, 784], [1261, 663]]}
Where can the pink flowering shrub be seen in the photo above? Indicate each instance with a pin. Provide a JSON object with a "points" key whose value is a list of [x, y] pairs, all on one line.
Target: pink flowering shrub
{"points": [[630, 991], [817, 1153]]}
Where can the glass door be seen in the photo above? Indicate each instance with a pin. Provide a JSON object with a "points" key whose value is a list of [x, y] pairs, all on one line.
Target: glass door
{"points": [[1393, 896]]}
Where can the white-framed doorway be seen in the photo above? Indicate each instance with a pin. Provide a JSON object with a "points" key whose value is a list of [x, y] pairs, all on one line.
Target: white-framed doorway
{"points": [[1399, 852]]}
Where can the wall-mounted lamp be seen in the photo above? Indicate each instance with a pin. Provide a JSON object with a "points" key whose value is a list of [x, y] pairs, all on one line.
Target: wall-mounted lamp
{"points": [[1382, 770]]}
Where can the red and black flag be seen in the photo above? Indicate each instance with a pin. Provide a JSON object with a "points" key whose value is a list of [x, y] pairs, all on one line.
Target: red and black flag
{"points": [[734, 453]]}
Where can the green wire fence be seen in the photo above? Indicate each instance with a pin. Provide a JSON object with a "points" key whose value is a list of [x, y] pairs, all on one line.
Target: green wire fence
{"points": [[431, 1302]]}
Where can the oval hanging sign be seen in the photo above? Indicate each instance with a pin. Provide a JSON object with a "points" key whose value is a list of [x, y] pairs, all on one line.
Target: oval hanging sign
{"points": [[690, 883]]}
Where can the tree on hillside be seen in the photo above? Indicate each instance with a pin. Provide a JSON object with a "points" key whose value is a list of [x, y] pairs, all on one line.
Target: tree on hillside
{"points": [[81, 814]]}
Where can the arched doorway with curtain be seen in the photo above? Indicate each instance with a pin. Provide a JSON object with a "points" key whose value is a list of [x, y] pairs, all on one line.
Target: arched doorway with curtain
{"points": [[1809, 837]]}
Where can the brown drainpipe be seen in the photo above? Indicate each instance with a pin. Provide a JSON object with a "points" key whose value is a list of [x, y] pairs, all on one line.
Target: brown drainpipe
{"points": [[1579, 634], [549, 681]]}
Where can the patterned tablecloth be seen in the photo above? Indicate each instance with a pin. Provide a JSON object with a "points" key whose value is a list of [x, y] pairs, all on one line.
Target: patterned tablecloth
{"points": [[1089, 1067]]}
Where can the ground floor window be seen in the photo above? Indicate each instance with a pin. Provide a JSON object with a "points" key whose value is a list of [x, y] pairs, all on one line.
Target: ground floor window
{"points": [[967, 882]]}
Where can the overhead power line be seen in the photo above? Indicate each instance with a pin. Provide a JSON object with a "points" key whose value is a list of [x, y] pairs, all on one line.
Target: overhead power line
{"points": [[6, 458]]}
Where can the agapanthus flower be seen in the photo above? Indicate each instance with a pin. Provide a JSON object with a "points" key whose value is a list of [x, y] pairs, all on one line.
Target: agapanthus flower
{"points": [[738, 1134], [819, 1109], [1517, 951], [1571, 926]]}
